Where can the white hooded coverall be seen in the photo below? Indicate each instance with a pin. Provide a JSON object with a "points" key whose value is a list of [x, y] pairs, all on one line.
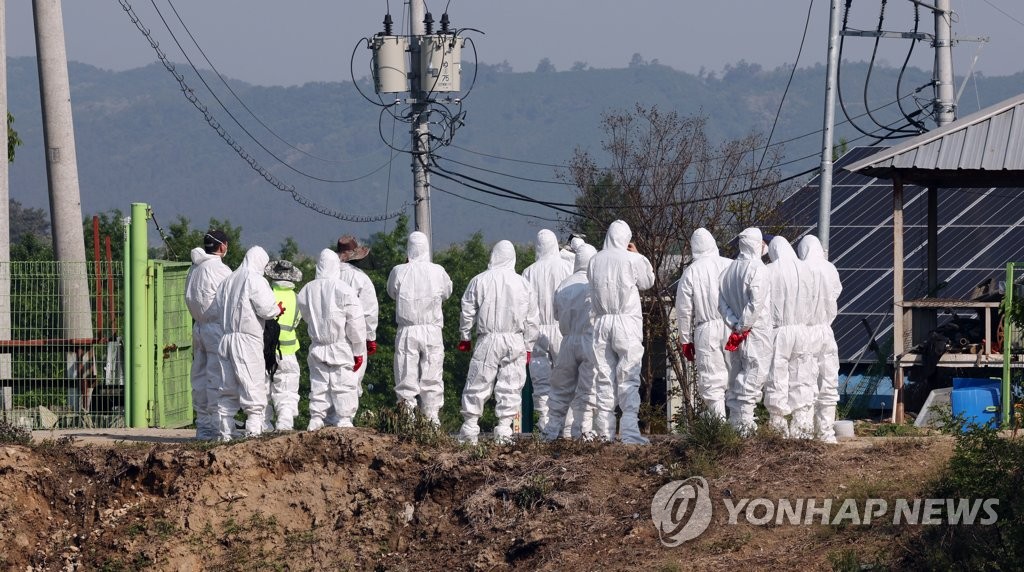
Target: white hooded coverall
{"points": [[201, 283], [337, 333], [419, 287], [745, 307], [502, 305], [700, 321], [792, 295], [544, 276], [572, 379], [616, 277], [823, 374], [367, 294], [244, 301]]}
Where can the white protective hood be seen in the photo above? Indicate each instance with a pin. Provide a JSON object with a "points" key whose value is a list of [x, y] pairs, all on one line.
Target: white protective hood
{"points": [[583, 255], [503, 256], [418, 248], [618, 236], [328, 265]]}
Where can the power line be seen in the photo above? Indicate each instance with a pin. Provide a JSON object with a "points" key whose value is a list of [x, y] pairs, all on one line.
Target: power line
{"points": [[839, 88], [871, 68], [239, 123], [497, 191], [190, 95], [436, 188], [560, 206], [236, 96], [789, 82], [727, 155], [1003, 12]]}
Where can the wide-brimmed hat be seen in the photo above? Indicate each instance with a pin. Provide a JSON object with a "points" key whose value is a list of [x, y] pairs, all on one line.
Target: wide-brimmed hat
{"points": [[282, 270], [349, 249]]}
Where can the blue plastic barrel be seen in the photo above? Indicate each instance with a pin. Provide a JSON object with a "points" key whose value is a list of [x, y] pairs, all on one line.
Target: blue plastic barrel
{"points": [[979, 405]]}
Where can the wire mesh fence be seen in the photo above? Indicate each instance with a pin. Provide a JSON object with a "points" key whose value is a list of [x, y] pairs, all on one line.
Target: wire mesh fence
{"points": [[60, 344]]}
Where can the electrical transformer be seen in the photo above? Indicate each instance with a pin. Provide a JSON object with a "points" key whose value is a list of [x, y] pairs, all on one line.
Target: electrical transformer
{"points": [[390, 73], [441, 63]]}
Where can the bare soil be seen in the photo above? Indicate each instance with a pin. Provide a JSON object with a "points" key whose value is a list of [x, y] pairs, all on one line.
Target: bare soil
{"points": [[353, 499]]}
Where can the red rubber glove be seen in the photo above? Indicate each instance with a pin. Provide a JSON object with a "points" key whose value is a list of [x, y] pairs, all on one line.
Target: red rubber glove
{"points": [[528, 356], [689, 352], [371, 347], [280, 306], [465, 346], [358, 364], [735, 340]]}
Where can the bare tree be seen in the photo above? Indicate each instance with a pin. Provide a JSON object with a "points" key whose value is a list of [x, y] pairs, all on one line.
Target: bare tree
{"points": [[665, 178]]}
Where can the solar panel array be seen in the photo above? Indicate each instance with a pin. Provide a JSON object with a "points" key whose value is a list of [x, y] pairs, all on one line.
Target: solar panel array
{"points": [[979, 231]]}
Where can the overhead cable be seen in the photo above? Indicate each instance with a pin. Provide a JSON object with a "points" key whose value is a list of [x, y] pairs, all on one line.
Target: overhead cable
{"points": [[789, 82], [237, 97], [189, 94], [239, 124]]}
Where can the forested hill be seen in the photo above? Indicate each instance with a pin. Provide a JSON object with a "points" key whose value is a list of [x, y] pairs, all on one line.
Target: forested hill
{"points": [[140, 140]]}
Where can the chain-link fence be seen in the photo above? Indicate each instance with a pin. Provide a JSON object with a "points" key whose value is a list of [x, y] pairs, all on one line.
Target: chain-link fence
{"points": [[60, 345]]}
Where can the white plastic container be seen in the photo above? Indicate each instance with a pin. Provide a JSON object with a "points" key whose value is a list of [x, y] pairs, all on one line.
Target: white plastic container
{"points": [[844, 429]]}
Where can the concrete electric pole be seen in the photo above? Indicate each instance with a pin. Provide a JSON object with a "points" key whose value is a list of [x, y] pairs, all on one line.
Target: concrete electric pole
{"points": [[5, 214], [62, 168], [825, 177], [428, 66], [420, 127]]}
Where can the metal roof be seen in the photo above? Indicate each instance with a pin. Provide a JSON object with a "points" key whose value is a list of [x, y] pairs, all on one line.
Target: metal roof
{"points": [[984, 149]]}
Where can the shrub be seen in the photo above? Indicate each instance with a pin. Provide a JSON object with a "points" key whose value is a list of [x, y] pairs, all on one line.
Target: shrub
{"points": [[984, 465], [14, 435]]}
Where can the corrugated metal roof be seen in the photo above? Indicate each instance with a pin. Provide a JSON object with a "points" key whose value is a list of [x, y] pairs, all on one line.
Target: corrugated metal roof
{"points": [[991, 140]]}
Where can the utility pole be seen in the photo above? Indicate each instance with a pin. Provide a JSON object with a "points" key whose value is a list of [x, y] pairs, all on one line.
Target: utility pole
{"points": [[62, 168], [420, 127], [945, 105], [5, 214], [825, 178], [945, 112]]}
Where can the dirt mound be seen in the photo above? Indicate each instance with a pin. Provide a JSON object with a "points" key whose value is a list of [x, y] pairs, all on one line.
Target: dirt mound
{"points": [[355, 499]]}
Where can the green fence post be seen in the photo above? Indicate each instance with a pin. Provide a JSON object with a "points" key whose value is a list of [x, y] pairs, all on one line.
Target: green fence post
{"points": [[139, 340], [1007, 346], [126, 338]]}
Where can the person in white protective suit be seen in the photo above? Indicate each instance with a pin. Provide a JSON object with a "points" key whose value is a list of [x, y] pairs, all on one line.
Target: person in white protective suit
{"points": [[544, 276], [204, 277], [350, 252], [568, 252], [616, 275], [419, 287], [702, 331], [792, 288], [744, 304], [572, 379], [283, 385], [337, 342], [823, 374], [244, 300], [502, 306]]}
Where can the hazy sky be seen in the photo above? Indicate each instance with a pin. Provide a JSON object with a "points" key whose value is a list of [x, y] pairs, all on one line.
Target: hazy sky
{"points": [[287, 42]]}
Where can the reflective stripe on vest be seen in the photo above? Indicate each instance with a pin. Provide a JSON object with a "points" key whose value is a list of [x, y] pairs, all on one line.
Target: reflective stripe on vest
{"points": [[289, 340]]}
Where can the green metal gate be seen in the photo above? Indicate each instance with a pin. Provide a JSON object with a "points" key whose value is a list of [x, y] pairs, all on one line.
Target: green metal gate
{"points": [[172, 345], [158, 334]]}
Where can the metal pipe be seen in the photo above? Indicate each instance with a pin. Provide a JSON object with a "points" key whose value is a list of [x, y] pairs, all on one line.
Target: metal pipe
{"points": [[141, 376]]}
